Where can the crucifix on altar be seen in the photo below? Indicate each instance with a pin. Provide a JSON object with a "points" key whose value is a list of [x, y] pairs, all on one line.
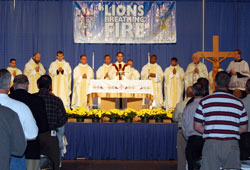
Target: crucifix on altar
{"points": [[216, 57]]}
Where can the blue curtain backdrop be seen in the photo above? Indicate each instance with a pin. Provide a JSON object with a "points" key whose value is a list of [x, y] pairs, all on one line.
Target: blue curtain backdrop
{"points": [[47, 26]]}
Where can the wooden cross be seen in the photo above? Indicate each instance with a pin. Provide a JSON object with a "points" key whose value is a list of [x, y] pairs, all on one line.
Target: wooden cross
{"points": [[215, 55]]}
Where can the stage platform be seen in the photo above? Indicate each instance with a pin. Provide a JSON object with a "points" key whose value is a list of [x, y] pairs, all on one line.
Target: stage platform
{"points": [[121, 141]]}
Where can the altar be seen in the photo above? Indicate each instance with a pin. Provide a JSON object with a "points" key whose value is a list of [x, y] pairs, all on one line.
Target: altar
{"points": [[121, 141], [111, 91]]}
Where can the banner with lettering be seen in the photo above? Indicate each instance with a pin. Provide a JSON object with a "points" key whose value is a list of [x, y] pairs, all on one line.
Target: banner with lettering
{"points": [[124, 21]]}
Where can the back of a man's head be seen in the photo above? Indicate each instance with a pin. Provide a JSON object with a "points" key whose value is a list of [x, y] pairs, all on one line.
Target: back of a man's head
{"points": [[222, 79], [5, 78], [44, 82], [189, 92], [198, 90], [204, 82], [20, 79], [248, 86]]}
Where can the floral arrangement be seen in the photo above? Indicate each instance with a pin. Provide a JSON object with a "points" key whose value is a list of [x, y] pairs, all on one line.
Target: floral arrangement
{"points": [[79, 112], [128, 113], [119, 114], [95, 114]]}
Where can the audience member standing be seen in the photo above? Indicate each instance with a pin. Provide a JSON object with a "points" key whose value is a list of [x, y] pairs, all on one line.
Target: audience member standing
{"points": [[194, 139], [26, 118], [37, 107], [246, 102], [221, 117], [12, 141], [181, 141], [56, 117]]}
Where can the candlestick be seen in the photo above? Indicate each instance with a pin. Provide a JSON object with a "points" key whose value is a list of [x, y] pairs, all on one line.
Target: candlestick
{"points": [[93, 60], [148, 57]]}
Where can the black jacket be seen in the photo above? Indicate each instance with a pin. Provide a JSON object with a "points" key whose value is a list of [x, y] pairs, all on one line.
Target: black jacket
{"points": [[37, 107]]}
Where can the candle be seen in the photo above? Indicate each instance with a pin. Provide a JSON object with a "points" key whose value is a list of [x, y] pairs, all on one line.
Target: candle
{"points": [[93, 61], [148, 57]]}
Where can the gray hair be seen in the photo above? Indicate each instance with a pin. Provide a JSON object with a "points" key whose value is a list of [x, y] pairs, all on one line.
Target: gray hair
{"points": [[20, 79], [5, 78]]}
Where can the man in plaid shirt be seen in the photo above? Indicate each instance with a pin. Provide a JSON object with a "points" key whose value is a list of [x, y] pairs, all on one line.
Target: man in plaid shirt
{"points": [[56, 118]]}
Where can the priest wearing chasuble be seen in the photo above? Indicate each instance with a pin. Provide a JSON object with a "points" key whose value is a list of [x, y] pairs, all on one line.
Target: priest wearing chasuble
{"points": [[104, 71], [34, 70], [135, 75], [174, 84], [120, 70], [14, 71], [82, 74], [60, 72], [194, 71], [152, 71]]}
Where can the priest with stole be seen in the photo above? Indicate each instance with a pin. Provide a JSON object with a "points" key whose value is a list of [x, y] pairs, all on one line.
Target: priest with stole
{"points": [[104, 71], [82, 74], [60, 72], [34, 70], [174, 84], [194, 71], [120, 70], [14, 71], [152, 71]]}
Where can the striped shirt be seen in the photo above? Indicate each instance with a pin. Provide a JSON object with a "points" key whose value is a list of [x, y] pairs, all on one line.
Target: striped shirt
{"points": [[222, 114]]}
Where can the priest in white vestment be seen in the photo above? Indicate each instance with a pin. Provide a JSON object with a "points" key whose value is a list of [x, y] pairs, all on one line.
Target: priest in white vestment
{"points": [[34, 70], [60, 72], [174, 84], [152, 71], [104, 71], [239, 71], [194, 71], [120, 70], [14, 71], [82, 74], [135, 75]]}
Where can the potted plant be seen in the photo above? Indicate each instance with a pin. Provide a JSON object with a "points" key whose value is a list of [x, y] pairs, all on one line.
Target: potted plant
{"points": [[113, 115], [80, 113], [95, 115], [129, 114], [144, 114]]}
